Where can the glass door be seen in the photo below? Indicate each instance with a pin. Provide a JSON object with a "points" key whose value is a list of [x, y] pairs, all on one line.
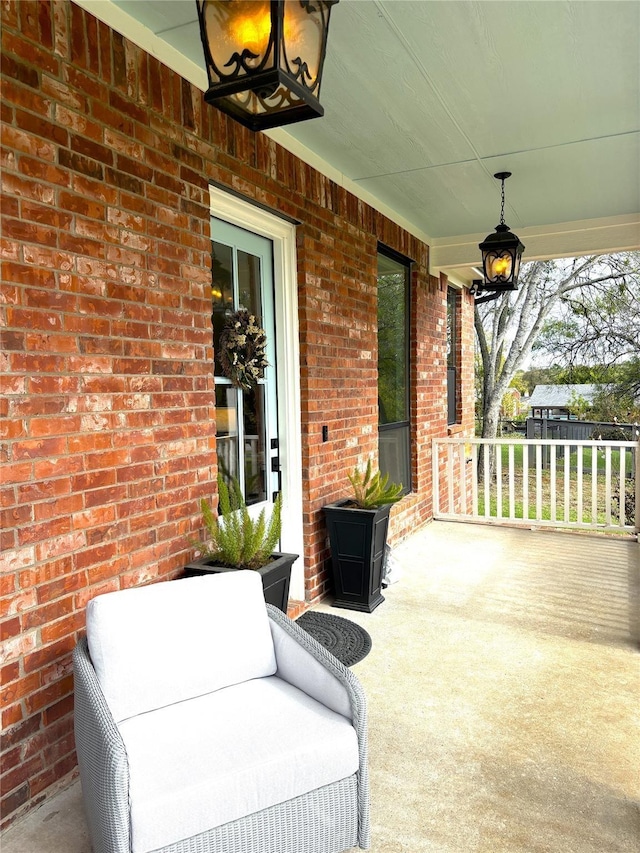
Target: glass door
{"points": [[247, 422]]}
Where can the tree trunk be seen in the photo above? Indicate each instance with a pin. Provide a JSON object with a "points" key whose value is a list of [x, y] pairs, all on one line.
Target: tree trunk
{"points": [[489, 430]]}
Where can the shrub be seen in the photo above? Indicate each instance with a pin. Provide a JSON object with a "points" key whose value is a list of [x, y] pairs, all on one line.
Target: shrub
{"points": [[235, 538], [629, 500], [609, 434]]}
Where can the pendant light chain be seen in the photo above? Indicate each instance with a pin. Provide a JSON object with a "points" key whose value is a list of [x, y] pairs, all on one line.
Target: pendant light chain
{"points": [[502, 206]]}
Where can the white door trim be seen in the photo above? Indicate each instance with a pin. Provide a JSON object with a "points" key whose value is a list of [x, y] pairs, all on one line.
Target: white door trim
{"points": [[239, 212]]}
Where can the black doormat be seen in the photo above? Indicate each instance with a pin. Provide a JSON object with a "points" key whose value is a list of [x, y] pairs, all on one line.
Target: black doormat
{"points": [[347, 641]]}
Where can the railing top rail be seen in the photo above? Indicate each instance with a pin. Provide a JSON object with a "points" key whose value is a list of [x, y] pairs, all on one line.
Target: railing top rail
{"points": [[574, 442]]}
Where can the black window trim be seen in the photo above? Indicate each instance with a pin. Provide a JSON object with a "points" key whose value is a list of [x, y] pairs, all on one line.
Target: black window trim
{"points": [[453, 297], [407, 263]]}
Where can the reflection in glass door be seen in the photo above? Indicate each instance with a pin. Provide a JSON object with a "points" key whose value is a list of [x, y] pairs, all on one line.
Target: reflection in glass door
{"points": [[247, 436]]}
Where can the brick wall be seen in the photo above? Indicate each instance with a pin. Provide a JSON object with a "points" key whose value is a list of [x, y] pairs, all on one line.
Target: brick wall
{"points": [[107, 420]]}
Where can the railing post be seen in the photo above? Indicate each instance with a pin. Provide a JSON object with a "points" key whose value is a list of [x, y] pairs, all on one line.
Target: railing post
{"points": [[637, 481]]}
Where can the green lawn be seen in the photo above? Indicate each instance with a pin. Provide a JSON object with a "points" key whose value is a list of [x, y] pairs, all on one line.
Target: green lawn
{"points": [[545, 515], [590, 456], [545, 482], [587, 453]]}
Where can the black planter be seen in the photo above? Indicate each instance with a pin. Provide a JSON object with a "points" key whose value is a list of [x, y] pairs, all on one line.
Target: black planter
{"points": [[357, 538], [275, 576]]}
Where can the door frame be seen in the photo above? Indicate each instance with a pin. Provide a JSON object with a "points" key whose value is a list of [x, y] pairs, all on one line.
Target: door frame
{"points": [[237, 211]]}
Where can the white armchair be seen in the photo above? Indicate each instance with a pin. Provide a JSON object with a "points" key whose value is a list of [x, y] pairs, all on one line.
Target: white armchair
{"points": [[208, 721]]}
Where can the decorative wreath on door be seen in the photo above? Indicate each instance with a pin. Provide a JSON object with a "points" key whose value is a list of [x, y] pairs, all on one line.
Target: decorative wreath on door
{"points": [[243, 346]]}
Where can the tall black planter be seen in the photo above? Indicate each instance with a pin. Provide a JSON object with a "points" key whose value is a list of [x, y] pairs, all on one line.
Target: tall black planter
{"points": [[276, 576], [357, 538]]}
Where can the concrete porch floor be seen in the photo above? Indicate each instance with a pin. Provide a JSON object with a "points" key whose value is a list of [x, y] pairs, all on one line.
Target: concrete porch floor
{"points": [[504, 700]]}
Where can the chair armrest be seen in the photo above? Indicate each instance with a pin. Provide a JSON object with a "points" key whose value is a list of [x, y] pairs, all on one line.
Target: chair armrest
{"points": [[102, 758], [307, 665]]}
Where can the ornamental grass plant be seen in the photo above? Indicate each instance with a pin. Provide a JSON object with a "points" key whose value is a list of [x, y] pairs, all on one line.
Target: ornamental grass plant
{"points": [[371, 491], [235, 538]]}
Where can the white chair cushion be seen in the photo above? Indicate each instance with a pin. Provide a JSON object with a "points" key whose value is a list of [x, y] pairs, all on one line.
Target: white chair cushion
{"points": [[155, 645], [217, 758], [298, 666]]}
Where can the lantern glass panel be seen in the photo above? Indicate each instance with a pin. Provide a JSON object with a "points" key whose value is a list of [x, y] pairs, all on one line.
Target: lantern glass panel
{"points": [[238, 34], [303, 40], [516, 263], [498, 266]]}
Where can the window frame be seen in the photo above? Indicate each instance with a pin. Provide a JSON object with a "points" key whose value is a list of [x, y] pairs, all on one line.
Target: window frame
{"points": [[404, 425], [453, 355]]}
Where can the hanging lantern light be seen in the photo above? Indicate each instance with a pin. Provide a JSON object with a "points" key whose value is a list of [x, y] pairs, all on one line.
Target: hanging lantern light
{"points": [[264, 58], [501, 253]]}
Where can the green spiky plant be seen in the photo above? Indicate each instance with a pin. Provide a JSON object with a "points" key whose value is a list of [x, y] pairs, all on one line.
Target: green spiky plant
{"points": [[236, 539], [371, 491]]}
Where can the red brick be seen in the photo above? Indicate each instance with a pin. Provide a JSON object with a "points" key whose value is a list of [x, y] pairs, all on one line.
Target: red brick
{"points": [[23, 188], [43, 171], [15, 646], [48, 695], [17, 690], [57, 711], [44, 214], [62, 628], [87, 187], [39, 448], [24, 97], [45, 572], [10, 628], [12, 715], [79, 163], [45, 656], [24, 730], [60, 546], [51, 469], [82, 205], [45, 614], [61, 93], [16, 516], [20, 140]]}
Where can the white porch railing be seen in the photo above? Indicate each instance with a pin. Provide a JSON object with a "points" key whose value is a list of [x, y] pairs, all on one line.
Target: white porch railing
{"points": [[538, 482]]}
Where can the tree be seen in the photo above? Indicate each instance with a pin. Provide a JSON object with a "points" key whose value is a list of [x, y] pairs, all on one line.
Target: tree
{"points": [[520, 383], [578, 406], [508, 328], [600, 324], [619, 397]]}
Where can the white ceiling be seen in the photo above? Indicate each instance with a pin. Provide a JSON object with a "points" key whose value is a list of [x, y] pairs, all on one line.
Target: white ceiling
{"points": [[426, 99]]}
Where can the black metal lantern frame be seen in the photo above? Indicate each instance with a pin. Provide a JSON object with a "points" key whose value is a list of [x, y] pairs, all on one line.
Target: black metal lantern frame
{"points": [[264, 58], [501, 254]]}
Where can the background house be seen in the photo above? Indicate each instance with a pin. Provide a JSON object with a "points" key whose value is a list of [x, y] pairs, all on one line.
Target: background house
{"points": [[511, 405], [556, 401]]}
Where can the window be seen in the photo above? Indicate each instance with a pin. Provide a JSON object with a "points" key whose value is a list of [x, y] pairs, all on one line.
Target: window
{"points": [[394, 429], [452, 355], [246, 437]]}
